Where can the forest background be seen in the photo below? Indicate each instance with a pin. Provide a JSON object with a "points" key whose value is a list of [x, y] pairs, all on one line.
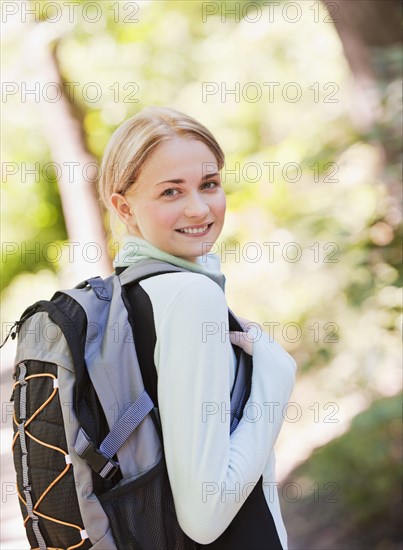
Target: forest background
{"points": [[305, 98]]}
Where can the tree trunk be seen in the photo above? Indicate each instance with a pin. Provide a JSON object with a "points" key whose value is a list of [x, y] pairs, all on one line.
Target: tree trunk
{"points": [[363, 25], [371, 36], [77, 168]]}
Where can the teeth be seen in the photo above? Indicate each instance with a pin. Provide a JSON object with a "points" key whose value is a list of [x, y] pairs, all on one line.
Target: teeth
{"points": [[194, 230]]}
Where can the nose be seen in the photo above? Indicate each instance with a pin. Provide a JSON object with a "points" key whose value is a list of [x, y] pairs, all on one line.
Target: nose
{"points": [[196, 206]]}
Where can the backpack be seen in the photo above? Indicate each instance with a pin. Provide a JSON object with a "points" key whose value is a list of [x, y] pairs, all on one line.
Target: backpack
{"points": [[88, 445]]}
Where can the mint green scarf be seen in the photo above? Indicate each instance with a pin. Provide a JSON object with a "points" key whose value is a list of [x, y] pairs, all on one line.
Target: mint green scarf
{"points": [[135, 249]]}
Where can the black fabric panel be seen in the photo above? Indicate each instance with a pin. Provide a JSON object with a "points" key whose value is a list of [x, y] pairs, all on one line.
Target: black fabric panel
{"points": [[253, 527], [233, 322]]}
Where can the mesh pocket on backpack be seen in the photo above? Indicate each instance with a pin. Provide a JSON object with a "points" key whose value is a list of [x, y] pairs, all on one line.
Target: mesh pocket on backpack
{"points": [[142, 515]]}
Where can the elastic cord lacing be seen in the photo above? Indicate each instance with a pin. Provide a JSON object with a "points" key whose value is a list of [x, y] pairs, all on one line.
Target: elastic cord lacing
{"points": [[32, 510]]}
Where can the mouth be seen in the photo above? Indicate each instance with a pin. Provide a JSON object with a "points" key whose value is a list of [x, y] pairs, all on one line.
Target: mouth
{"points": [[195, 230]]}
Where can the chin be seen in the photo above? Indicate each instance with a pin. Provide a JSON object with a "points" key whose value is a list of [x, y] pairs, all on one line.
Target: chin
{"points": [[191, 255]]}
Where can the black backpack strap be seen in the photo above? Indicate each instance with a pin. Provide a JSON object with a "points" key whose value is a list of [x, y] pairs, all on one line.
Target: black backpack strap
{"points": [[68, 314], [141, 318], [243, 376]]}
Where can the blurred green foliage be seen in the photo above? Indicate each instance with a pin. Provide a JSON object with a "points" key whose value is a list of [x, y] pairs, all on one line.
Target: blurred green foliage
{"points": [[31, 213]]}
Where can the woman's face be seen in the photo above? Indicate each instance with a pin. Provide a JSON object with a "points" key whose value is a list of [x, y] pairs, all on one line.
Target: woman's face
{"points": [[177, 203]]}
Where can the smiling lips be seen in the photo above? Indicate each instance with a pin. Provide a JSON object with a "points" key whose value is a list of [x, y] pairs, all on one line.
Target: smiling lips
{"points": [[199, 230]]}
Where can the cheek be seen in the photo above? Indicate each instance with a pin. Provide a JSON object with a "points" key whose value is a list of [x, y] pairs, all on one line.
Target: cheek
{"points": [[157, 216], [221, 205]]}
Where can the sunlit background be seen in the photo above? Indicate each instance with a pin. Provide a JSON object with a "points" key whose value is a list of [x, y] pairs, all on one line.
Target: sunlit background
{"points": [[304, 98]]}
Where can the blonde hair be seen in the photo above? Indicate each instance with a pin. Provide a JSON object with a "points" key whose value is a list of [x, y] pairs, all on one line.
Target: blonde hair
{"points": [[137, 138]]}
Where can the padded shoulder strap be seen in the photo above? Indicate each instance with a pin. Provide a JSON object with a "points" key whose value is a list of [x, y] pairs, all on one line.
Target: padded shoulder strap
{"points": [[146, 268]]}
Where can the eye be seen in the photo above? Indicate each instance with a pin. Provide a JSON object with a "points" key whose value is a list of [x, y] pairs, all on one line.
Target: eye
{"points": [[210, 184], [171, 192]]}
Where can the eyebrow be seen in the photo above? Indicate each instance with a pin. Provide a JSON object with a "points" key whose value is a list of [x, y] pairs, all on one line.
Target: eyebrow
{"points": [[179, 181]]}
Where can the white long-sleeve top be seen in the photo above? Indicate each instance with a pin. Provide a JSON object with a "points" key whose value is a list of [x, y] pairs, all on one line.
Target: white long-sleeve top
{"points": [[211, 473]]}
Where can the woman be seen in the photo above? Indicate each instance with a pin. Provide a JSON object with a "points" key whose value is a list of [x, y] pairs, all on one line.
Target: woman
{"points": [[161, 176]]}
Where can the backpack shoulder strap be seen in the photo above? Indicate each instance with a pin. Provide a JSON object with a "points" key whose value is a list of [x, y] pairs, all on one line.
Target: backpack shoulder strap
{"points": [[243, 376], [146, 268]]}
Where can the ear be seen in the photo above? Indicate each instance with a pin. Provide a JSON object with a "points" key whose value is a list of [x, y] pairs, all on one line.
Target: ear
{"points": [[122, 207]]}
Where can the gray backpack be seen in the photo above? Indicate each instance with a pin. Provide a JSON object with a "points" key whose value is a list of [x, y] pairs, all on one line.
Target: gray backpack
{"points": [[88, 446]]}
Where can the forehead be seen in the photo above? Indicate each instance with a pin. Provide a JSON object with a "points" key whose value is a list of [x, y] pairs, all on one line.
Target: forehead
{"points": [[177, 157]]}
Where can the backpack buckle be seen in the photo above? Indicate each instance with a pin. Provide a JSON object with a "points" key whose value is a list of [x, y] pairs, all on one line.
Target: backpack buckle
{"points": [[102, 464]]}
